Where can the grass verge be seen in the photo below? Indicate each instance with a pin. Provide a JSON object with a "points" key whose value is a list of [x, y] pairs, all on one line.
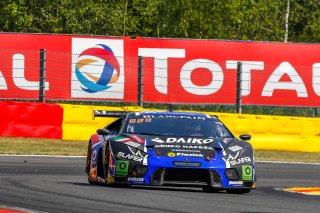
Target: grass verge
{"points": [[32, 146]]}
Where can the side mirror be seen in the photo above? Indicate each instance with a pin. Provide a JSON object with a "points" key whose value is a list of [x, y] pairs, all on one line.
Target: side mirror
{"points": [[245, 137], [103, 131]]}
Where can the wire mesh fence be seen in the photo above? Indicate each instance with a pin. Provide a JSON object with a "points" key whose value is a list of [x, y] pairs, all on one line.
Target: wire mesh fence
{"points": [[97, 76]]}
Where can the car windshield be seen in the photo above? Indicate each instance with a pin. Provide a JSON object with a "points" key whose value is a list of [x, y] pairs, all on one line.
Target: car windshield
{"points": [[182, 127]]}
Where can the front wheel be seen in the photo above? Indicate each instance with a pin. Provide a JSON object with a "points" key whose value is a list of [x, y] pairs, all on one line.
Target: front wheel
{"points": [[237, 191]]}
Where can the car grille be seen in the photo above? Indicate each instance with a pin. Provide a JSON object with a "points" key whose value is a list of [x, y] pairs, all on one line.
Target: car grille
{"points": [[186, 164], [186, 176]]}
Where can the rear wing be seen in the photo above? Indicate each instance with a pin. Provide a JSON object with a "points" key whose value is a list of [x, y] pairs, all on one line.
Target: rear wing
{"points": [[112, 114]]}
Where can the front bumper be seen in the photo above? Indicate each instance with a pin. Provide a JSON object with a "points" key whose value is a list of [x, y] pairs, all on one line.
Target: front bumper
{"points": [[164, 171]]}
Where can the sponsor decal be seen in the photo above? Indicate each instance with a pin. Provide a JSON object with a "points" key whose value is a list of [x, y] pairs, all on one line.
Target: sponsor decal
{"points": [[235, 182], [157, 140], [167, 146], [235, 148], [240, 161], [122, 139], [226, 140], [136, 179], [132, 140], [196, 147], [233, 156], [185, 150], [135, 151], [132, 121], [140, 120], [137, 139], [112, 165], [175, 117], [94, 155], [171, 154], [246, 172], [190, 147], [98, 68], [184, 140], [122, 167], [148, 120], [134, 144], [189, 154], [130, 157]]}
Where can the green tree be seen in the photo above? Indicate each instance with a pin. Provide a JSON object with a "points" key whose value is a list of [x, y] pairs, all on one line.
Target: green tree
{"points": [[14, 16], [261, 20], [304, 21]]}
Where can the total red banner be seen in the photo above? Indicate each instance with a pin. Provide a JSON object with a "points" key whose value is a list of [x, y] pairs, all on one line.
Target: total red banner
{"points": [[205, 71], [174, 70]]}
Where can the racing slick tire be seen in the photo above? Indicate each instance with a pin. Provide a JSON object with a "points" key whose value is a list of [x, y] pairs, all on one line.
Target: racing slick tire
{"points": [[237, 191]]}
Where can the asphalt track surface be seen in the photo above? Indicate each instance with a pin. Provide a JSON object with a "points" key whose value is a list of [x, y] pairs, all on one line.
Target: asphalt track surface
{"points": [[47, 184]]}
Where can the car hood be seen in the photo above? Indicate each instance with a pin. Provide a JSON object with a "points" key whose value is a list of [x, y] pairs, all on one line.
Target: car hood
{"points": [[172, 146]]}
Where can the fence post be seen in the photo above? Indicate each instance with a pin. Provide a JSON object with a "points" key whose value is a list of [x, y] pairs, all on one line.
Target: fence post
{"points": [[315, 112], [239, 88], [140, 81], [42, 88]]}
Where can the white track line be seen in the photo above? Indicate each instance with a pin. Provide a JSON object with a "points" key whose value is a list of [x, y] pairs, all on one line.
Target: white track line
{"points": [[283, 162]]}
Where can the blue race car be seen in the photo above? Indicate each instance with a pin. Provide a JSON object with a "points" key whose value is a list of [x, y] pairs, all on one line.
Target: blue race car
{"points": [[170, 148]]}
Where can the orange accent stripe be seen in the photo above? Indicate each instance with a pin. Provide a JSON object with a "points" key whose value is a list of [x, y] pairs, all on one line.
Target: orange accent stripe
{"points": [[92, 77], [114, 78], [83, 62]]}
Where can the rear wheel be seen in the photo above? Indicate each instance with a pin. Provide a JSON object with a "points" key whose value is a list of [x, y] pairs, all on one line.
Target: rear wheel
{"points": [[237, 191]]}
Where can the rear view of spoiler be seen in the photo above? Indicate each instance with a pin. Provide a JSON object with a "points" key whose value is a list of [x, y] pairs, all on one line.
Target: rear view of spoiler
{"points": [[105, 113]]}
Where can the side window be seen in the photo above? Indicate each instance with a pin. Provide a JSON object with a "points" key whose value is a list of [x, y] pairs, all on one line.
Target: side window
{"points": [[115, 126]]}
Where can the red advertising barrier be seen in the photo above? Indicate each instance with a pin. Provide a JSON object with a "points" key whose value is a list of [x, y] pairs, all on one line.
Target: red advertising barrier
{"points": [[174, 70], [1, 115], [35, 120], [205, 71]]}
